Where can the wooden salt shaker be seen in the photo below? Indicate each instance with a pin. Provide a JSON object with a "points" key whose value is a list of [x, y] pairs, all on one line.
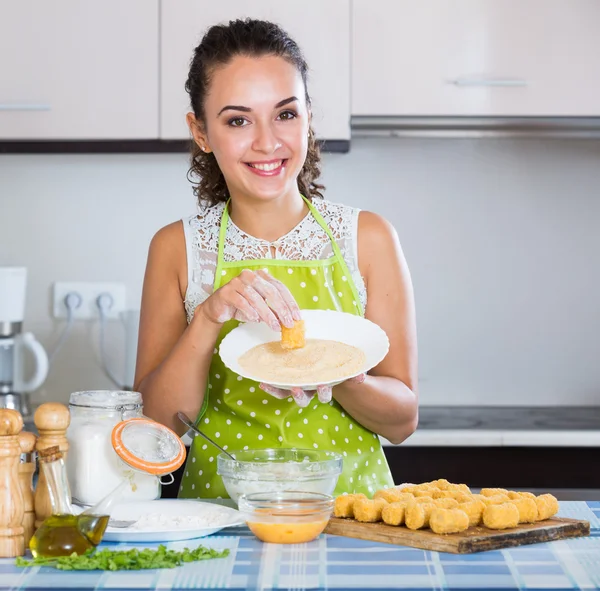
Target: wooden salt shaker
{"points": [[26, 470], [12, 541], [52, 420]]}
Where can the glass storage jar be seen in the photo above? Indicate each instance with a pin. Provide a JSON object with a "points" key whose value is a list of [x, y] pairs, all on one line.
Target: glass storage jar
{"points": [[93, 467]]}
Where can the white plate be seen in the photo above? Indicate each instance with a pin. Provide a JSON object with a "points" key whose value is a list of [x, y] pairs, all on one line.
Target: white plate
{"points": [[320, 324], [170, 507]]}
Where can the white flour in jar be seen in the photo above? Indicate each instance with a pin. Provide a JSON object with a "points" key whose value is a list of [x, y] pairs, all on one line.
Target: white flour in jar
{"points": [[94, 469]]}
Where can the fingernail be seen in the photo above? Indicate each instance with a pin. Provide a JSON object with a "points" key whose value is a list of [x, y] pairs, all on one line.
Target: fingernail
{"points": [[359, 379], [302, 401], [324, 393], [296, 315], [275, 326], [288, 321]]}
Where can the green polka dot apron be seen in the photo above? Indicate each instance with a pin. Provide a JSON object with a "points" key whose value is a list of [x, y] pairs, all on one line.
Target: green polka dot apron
{"points": [[239, 415]]}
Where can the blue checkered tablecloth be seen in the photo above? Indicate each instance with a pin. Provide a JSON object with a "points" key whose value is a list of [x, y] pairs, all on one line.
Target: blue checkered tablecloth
{"points": [[333, 562]]}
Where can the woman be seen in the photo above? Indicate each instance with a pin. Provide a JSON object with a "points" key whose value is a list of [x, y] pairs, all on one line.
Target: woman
{"points": [[263, 244]]}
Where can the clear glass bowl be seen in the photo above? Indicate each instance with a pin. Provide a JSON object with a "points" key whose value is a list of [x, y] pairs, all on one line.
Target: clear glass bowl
{"points": [[286, 517], [276, 470]]}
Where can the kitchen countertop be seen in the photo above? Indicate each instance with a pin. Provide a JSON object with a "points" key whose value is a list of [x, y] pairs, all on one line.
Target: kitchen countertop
{"points": [[333, 562], [575, 426], [510, 418]]}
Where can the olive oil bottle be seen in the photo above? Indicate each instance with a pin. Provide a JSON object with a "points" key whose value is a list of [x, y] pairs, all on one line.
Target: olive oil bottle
{"points": [[64, 532]]}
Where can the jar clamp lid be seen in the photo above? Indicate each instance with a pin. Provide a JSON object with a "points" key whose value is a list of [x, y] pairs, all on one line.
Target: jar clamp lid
{"points": [[148, 446]]}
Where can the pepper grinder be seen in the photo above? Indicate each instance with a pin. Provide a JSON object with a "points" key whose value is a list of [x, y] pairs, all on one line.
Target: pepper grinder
{"points": [[26, 470], [12, 540], [52, 420]]}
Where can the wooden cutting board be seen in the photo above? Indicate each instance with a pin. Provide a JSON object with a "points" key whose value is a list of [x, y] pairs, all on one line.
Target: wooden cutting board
{"points": [[475, 539]]}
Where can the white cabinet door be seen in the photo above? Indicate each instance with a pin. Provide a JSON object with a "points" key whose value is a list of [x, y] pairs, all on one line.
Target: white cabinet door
{"points": [[78, 70], [476, 57], [321, 29]]}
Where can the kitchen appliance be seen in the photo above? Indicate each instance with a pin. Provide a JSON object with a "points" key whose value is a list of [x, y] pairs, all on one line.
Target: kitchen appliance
{"points": [[14, 344]]}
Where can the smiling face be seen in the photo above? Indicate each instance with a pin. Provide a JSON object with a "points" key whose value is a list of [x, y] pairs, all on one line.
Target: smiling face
{"points": [[256, 123]]}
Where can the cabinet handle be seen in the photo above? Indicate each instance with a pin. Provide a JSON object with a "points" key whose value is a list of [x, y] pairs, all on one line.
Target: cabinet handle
{"points": [[489, 82], [24, 107]]}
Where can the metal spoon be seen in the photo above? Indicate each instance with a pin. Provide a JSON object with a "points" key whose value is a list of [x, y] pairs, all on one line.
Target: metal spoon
{"points": [[186, 421]]}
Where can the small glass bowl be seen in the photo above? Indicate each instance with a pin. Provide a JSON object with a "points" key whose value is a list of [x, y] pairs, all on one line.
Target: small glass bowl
{"points": [[279, 469], [286, 517]]}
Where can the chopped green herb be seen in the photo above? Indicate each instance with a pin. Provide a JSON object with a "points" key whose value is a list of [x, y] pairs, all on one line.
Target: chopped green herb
{"points": [[133, 559]]}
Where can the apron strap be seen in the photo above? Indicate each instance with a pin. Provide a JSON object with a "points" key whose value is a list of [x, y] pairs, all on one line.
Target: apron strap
{"points": [[222, 233], [337, 253]]}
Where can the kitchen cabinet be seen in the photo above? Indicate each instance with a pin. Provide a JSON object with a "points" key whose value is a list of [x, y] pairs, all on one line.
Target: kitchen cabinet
{"points": [[320, 28], [78, 70], [561, 470], [476, 58]]}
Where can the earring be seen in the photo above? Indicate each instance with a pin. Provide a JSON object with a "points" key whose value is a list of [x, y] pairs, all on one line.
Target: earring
{"points": [[203, 148]]}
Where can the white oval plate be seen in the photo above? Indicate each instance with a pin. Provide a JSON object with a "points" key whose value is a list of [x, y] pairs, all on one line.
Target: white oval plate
{"points": [[172, 507], [320, 324]]}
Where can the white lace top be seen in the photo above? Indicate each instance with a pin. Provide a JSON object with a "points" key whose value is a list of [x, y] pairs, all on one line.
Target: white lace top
{"points": [[307, 241]]}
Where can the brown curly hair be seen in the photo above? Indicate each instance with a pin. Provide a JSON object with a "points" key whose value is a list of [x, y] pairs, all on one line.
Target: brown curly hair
{"points": [[220, 44]]}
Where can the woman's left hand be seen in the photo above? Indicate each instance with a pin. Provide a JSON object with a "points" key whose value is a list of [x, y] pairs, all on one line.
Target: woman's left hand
{"points": [[303, 397]]}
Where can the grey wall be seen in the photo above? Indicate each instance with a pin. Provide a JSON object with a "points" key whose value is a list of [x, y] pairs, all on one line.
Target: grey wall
{"points": [[501, 237]]}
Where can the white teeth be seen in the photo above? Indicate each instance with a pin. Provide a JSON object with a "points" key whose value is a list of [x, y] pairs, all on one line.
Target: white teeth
{"points": [[267, 167]]}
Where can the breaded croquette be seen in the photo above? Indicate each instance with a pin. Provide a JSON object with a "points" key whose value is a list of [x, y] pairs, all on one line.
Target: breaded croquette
{"points": [[529, 495], [502, 516], [490, 492], [406, 497], [528, 511], [462, 497], [392, 495], [442, 494], [442, 484], [547, 506], [394, 513], [343, 505], [369, 510], [293, 338], [421, 500], [459, 488], [417, 515], [448, 521], [495, 499], [417, 488], [425, 493], [474, 510], [445, 503]]}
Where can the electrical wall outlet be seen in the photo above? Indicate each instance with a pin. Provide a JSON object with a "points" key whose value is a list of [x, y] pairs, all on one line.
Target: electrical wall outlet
{"points": [[89, 292]]}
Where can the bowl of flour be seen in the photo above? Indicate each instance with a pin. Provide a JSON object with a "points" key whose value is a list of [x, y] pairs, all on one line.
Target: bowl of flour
{"points": [[275, 470], [168, 520]]}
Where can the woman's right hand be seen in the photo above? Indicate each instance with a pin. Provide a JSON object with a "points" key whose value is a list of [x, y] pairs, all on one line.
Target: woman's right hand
{"points": [[252, 296]]}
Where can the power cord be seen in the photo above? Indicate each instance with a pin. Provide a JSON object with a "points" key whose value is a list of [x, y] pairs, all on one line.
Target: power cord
{"points": [[73, 300], [105, 302]]}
